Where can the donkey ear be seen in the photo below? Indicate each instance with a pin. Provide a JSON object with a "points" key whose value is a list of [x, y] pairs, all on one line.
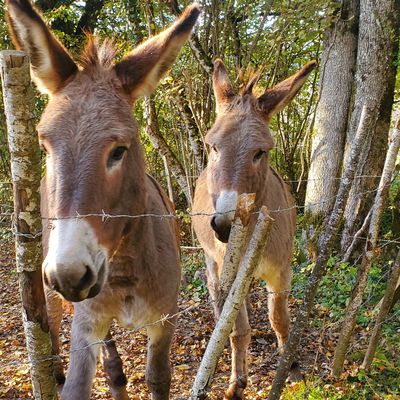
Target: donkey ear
{"points": [[51, 65], [278, 97], [141, 70], [222, 85]]}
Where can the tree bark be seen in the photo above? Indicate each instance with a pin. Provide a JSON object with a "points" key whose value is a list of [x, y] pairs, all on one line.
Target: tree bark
{"points": [[162, 147], [232, 306], [370, 246], [319, 270], [383, 312], [19, 108], [236, 245], [375, 80], [336, 80]]}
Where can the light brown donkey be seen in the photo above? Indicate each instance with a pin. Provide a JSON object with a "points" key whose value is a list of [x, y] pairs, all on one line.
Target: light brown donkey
{"points": [[112, 268], [240, 142]]}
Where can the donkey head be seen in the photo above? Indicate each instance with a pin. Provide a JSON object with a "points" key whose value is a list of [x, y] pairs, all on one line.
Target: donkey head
{"points": [[240, 141], [94, 161]]}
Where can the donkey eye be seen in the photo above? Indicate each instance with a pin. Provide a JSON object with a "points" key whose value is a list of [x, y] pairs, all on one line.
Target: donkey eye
{"points": [[258, 155], [214, 148], [116, 155]]}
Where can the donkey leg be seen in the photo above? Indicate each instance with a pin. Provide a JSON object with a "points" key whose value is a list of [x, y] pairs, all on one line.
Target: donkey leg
{"points": [[113, 368], [240, 340], [85, 346], [54, 313], [280, 322], [158, 369]]}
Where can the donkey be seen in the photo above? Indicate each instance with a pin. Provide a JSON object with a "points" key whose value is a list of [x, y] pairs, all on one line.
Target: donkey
{"points": [[240, 142], [114, 268]]}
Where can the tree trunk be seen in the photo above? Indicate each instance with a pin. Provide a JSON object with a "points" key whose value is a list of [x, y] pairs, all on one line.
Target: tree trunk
{"points": [[319, 270], [231, 308], [370, 246], [383, 312], [375, 80], [336, 81], [19, 108], [162, 147], [236, 246]]}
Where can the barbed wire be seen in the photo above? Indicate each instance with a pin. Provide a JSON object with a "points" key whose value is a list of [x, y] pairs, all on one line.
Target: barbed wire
{"points": [[105, 216], [167, 318]]}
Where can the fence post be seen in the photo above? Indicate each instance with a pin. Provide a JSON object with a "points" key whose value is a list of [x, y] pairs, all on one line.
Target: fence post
{"points": [[26, 170], [232, 305]]}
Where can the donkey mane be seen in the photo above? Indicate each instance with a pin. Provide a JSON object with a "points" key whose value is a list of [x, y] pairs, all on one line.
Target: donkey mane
{"points": [[98, 53]]}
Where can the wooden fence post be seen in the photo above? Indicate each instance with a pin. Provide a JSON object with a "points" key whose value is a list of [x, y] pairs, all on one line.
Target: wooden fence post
{"points": [[233, 303], [19, 106]]}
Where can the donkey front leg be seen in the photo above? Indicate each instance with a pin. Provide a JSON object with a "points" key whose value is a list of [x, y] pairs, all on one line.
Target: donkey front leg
{"points": [[86, 340], [55, 313], [280, 321], [158, 369], [240, 340], [113, 367]]}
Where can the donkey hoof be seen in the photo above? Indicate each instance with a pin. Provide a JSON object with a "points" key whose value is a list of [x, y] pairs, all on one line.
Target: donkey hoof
{"points": [[295, 374], [236, 389]]}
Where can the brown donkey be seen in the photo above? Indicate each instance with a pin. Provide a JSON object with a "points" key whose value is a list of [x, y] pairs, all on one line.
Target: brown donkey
{"points": [[112, 268], [240, 142]]}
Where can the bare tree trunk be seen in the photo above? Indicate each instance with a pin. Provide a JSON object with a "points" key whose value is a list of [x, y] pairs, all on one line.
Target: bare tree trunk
{"points": [[375, 80], [319, 269], [336, 81], [358, 291], [168, 179], [383, 312], [236, 245], [19, 108], [185, 113], [162, 147], [231, 308]]}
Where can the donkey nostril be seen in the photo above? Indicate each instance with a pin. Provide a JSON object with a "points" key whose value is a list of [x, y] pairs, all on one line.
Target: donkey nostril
{"points": [[86, 280], [213, 224]]}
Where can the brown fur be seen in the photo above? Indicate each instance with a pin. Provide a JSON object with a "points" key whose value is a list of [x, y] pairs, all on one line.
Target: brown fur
{"points": [[239, 133], [88, 116]]}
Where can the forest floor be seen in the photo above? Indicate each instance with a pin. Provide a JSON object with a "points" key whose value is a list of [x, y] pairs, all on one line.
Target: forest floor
{"points": [[193, 331]]}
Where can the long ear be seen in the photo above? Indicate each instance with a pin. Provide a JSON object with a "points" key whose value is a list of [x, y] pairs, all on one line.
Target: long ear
{"points": [[51, 64], [278, 97], [222, 85], [141, 70]]}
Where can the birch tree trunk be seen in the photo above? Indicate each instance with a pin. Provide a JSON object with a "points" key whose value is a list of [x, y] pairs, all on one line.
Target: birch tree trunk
{"points": [[232, 305], [375, 80], [25, 168], [319, 270], [383, 312], [336, 81], [370, 246]]}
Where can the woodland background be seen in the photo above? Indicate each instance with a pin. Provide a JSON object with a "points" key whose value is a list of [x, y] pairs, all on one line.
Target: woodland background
{"points": [[356, 46]]}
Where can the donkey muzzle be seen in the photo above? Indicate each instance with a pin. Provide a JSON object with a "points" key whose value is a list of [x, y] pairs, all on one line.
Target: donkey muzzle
{"points": [[221, 228], [75, 282]]}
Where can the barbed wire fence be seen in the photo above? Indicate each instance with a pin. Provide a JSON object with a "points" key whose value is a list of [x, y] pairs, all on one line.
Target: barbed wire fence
{"points": [[295, 292], [204, 304]]}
